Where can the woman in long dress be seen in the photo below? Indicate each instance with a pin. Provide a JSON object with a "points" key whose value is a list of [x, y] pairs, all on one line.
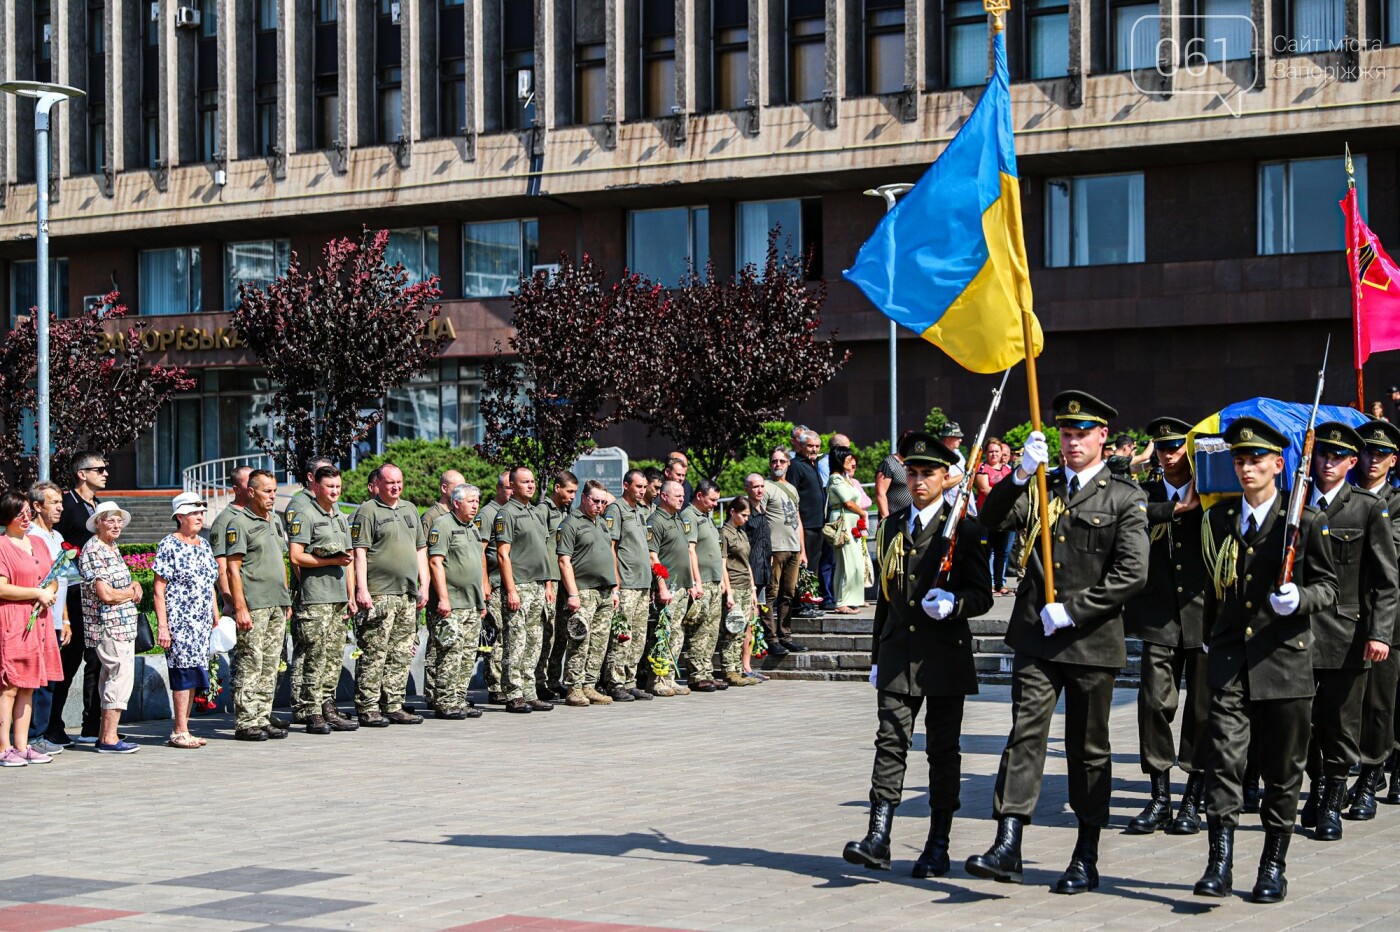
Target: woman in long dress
{"points": [[843, 502]]}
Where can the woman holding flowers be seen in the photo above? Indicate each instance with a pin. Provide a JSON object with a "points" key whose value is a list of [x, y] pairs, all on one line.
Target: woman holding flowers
{"points": [[28, 648], [186, 609], [846, 504]]}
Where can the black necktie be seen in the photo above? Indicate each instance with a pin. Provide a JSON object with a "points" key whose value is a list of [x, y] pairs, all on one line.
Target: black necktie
{"points": [[918, 527], [1253, 527], [1322, 504], [1073, 486], [1175, 498]]}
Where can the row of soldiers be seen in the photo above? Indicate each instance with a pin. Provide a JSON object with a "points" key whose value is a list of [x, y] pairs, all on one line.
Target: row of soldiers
{"points": [[1285, 674], [593, 604]]}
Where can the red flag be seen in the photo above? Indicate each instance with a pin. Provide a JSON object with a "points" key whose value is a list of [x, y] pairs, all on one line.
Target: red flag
{"points": [[1375, 287]]}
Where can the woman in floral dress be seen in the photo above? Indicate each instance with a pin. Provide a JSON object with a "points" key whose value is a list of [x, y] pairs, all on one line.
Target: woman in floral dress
{"points": [[186, 610]]}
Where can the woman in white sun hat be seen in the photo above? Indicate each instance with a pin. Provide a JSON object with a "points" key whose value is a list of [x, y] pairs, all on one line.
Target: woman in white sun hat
{"points": [[110, 601], [186, 609]]}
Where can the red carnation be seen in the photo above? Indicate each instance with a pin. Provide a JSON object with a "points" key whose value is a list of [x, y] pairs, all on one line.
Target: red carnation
{"points": [[68, 546], [659, 571]]}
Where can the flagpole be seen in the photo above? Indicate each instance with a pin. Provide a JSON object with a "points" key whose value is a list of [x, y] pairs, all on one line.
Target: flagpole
{"points": [[1352, 257], [889, 192]]}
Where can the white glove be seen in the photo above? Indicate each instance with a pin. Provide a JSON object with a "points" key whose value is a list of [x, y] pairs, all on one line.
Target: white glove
{"points": [[1285, 601], [938, 604], [874, 673], [1053, 617], [1034, 454]]}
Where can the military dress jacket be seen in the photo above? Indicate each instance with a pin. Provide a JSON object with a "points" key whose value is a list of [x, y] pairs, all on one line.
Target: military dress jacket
{"points": [[1100, 561], [1271, 652], [1363, 550], [916, 655], [1171, 610]]}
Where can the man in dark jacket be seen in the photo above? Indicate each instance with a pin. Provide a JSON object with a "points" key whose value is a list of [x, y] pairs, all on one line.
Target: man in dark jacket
{"points": [[1071, 642], [921, 652], [79, 503], [811, 502]]}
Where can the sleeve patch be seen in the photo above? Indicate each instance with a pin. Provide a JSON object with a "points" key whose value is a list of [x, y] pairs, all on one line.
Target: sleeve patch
{"points": [[231, 535], [355, 531], [296, 526], [433, 538], [500, 526]]}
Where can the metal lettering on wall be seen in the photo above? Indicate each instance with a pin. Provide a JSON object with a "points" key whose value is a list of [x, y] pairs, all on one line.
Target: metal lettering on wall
{"points": [[203, 339]]}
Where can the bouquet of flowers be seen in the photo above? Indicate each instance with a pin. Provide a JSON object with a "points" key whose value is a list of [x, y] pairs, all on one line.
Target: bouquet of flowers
{"points": [[809, 588], [862, 530], [206, 700], [65, 567], [660, 660], [621, 630], [759, 649]]}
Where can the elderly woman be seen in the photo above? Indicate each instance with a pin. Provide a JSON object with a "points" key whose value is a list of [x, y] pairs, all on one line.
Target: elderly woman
{"points": [[847, 503], [110, 600], [28, 652], [187, 609]]}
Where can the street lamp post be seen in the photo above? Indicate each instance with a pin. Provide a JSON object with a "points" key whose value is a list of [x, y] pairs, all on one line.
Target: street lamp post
{"points": [[889, 192], [45, 96]]}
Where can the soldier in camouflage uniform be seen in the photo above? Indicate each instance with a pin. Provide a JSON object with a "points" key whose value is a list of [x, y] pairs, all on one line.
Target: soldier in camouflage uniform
{"points": [[238, 478], [734, 544], [254, 547], [457, 562], [391, 583], [588, 574], [549, 672], [627, 522], [703, 620], [448, 481], [671, 544], [299, 501], [520, 535], [495, 617], [320, 554]]}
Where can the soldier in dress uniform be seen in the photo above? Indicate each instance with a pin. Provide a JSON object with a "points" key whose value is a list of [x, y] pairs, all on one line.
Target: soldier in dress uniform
{"points": [[1074, 645], [1350, 633], [921, 653], [1381, 441], [1259, 635], [1167, 617]]}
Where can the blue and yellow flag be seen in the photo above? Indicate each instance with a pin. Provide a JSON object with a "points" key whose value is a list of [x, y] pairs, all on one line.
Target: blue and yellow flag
{"points": [[949, 261]]}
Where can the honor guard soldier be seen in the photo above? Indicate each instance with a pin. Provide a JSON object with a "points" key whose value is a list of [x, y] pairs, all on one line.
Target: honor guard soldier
{"points": [[921, 653], [1381, 441], [1167, 617], [1074, 645], [1351, 632], [1260, 639]]}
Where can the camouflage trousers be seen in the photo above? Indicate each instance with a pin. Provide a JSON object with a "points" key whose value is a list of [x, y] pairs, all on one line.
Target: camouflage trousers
{"points": [[583, 657], [319, 632], [620, 663], [554, 640], [731, 646], [524, 629], [495, 660], [670, 627], [430, 653], [387, 635], [453, 638], [256, 656], [701, 626]]}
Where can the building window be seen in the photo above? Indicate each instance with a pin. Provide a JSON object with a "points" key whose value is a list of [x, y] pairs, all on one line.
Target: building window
{"points": [[390, 104], [150, 131], [1136, 27], [208, 125], [1047, 46], [884, 46], [731, 54], [1226, 30], [327, 11], [454, 97], [97, 138], [170, 281], [97, 30], [43, 31], [590, 62], [24, 288], [799, 223], [1316, 26], [267, 15], [266, 139], [327, 111], [806, 49], [416, 249], [665, 244], [1298, 204], [1392, 22], [150, 24], [967, 43], [437, 405], [496, 254], [258, 263], [208, 19], [1094, 220], [658, 58], [518, 58]]}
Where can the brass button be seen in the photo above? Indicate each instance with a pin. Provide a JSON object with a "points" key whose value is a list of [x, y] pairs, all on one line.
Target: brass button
{"points": [[1248, 577], [911, 628], [912, 603], [913, 551], [1249, 605], [1249, 550], [1179, 589], [1300, 643], [1057, 566], [960, 642], [1062, 538], [1248, 632], [1178, 567]]}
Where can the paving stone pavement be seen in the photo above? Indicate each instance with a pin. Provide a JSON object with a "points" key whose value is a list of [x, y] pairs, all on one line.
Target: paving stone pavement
{"points": [[724, 811]]}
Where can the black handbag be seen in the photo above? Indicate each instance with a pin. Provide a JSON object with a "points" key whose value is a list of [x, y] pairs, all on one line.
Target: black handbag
{"points": [[145, 637]]}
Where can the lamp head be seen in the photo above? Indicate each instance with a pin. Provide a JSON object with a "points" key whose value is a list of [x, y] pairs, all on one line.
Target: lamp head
{"points": [[39, 89]]}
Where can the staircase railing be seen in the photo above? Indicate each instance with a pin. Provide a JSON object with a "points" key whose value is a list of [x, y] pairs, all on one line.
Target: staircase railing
{"points": [[211, 479]]}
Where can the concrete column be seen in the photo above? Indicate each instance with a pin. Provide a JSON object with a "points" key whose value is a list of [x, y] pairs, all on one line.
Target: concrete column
{"points": [[7, 135], [471, 45], [684, 31], [554, 55], [771, 51], [237, 89], [179, 88], [357, 71], [628, 61], [1080, 32], [1266, 13], [299, 20], [124, 83], [758, 55], [421, 85], [488, 45], [1351, 47], [543, 64], [19, 44], [842, 48]]}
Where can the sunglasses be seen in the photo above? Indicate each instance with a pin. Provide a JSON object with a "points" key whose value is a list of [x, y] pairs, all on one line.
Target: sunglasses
{"points": [[101, 469]]}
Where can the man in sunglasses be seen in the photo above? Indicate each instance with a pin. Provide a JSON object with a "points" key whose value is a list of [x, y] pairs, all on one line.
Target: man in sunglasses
{"points": [[782, 504], [89, 478]]}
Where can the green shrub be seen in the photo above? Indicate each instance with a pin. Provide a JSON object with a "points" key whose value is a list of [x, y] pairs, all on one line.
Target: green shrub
{"points": [[422, 462]]}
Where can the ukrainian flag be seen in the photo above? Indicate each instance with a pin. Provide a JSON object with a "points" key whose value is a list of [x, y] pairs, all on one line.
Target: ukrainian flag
{"points": [[949, 261]]}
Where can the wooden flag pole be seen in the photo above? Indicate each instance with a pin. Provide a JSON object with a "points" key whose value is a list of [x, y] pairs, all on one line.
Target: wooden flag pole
{"points": [[1046, 550]]}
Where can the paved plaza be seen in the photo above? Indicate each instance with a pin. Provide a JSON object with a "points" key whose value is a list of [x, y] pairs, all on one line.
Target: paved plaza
{"points": [[723, 811]]}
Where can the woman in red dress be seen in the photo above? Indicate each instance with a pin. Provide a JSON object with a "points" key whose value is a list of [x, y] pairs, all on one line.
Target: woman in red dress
{"points": [[28, 650]]}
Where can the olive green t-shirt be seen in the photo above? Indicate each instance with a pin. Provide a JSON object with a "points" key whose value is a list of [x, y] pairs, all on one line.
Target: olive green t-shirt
{"points": [[299, 502], [460, 545], [588, 545], [430, 516], [217, 528], [554, 519], [261, 544], [707, 550], [671, 536], [523, 528], [628, 526], [391, 539], [322, 534], [485, 521]]}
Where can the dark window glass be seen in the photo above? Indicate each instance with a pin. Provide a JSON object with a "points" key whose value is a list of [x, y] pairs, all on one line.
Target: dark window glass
{"points": [[806, 58], [884, 46]]}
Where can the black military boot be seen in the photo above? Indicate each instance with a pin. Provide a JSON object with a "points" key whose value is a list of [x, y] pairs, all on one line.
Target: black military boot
{"points": [[1002, 861], [873, 851], [1272, 886], [1158, 813], [1188, 816], [934, 860], [1392, 795], [1316, 790], [1329, 813], [1363, 794], [1218, 880], [1082, 875]]}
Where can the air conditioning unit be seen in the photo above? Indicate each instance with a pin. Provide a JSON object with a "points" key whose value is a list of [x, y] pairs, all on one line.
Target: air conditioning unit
{"points": [[48, 33], [155, 12], [550, 268], [187, 17], [94, 302], [395, 12]]}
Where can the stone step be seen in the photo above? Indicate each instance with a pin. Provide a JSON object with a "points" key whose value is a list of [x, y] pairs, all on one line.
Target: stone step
{"points": [[819, 660], [832, 624], [836, 642], [843, 676]]}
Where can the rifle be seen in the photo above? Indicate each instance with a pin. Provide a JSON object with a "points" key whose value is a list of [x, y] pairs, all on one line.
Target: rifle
{"points": [[1302, 480], [964, 493]]}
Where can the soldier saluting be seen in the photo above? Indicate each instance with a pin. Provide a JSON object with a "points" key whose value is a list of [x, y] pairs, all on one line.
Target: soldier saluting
{"points": [[1260, 638], [1074, 645], [921, 653]]}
